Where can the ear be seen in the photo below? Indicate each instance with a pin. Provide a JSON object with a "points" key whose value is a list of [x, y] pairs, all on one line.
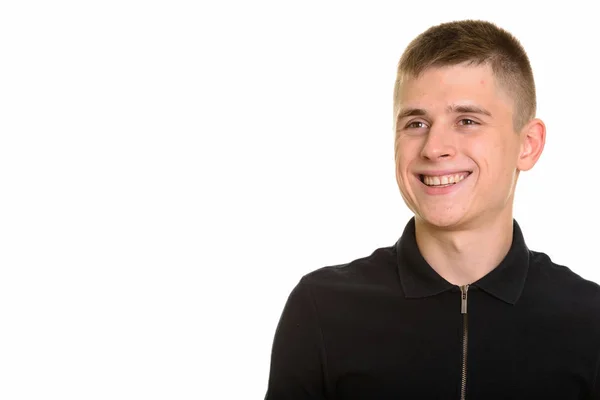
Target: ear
{"points": [[533, 139]]}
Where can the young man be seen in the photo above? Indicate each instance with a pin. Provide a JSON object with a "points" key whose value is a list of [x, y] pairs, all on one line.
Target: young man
{"points": [[458, 307]]}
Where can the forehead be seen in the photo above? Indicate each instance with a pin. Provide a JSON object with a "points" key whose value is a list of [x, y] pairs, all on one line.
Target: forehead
{"points": [[440, 86]]}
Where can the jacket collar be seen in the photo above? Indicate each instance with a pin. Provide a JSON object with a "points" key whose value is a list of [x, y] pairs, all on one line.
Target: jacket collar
{"points": [[418, 279]]}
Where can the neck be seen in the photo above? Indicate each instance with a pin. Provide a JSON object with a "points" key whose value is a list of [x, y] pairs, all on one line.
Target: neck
{"points": [[465, 255]]}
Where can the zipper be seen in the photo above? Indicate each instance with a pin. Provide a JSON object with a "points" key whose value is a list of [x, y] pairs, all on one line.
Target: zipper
{"points": [[463, 310]]}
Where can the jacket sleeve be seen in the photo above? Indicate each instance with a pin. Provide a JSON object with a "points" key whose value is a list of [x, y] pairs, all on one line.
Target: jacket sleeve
{"points": [[298, 355]]}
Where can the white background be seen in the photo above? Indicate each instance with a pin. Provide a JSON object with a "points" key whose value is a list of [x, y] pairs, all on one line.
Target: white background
{"points": [[169, 170]]}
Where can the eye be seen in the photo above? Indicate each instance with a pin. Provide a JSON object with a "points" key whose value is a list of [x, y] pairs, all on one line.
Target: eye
{"points": [[467, 121], [416, 125]]}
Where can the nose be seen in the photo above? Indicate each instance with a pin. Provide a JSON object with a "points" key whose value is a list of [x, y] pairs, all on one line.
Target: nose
{"points": [[439, 144]]}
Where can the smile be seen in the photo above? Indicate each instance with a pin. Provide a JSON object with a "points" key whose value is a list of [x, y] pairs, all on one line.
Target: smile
{"points": [[444, 180]]}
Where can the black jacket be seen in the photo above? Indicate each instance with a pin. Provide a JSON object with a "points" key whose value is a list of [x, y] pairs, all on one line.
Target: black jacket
{"points": [[387, 326]]}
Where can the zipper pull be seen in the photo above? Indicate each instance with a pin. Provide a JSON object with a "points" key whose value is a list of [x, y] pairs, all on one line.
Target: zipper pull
{"points": [[463, 305]]}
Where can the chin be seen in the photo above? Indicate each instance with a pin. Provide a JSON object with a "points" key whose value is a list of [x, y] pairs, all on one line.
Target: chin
{"points": [[444, 220]]}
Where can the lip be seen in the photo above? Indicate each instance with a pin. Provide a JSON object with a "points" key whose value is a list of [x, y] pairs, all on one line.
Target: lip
{"points": [[432, 190], [443, 172]]}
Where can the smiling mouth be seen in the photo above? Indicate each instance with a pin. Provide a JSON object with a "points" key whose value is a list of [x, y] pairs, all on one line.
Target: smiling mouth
{"points": [[444, 180]]}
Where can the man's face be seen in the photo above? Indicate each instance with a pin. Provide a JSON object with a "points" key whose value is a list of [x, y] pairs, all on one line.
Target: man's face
{"points": [[456, 149]]}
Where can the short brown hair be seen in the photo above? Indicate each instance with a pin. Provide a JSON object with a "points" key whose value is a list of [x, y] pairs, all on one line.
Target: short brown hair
{"points": [[474, 42]]}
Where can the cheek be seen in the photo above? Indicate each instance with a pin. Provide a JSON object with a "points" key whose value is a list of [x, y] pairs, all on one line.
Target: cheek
{"points": [[496, 160], [399, 147], [405, 151], [402, 156], [399, 154]]}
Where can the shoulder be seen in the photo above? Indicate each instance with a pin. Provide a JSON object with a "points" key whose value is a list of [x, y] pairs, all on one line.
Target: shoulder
{"points": [[376, 270], [544, 268], [563, 283]]}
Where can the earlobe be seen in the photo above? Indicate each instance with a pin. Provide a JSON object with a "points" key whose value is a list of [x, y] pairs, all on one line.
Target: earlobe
{"points": [[532, 144]]}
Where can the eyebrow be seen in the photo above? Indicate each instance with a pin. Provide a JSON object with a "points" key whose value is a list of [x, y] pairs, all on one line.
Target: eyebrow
{"points": [[454, 108], [468, 109]]}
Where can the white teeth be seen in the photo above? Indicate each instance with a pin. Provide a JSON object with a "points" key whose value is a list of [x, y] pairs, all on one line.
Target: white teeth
{"points": [[445, 179]]}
